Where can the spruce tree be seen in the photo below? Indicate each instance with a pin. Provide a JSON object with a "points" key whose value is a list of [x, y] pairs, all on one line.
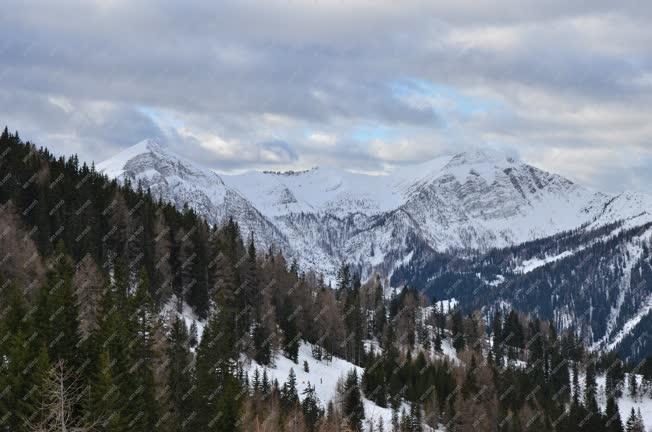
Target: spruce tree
{"points": [[497, 338], [311, 409], [216, 403], [24, 362], [143, 410], [613, 422], [459, 341], [57, 313], [352, 407], [179, 373], [590, 387], [106, 398], [632, 385], [289, 395]]}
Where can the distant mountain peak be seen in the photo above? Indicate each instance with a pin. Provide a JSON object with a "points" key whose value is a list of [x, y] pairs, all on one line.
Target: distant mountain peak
{"points": [[480, 156]]}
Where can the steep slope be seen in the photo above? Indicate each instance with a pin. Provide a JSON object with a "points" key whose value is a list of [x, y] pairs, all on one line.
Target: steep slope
{"points": [[181, 182]]}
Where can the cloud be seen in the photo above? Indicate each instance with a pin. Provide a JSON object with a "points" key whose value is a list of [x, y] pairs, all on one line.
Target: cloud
{"points": [[360, 84]]}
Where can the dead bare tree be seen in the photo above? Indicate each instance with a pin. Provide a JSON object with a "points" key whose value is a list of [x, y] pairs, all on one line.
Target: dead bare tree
{"points": [[61, 394]]}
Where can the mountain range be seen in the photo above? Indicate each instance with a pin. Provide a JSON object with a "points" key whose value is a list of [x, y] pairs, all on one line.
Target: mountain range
{"points": [[417, 223]]}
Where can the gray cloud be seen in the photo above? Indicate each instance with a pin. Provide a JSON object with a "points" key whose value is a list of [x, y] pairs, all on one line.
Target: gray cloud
{"points": [[290, 84]]}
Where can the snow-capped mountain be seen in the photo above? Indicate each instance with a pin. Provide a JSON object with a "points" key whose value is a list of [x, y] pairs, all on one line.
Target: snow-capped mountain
{"points": [[181, 182], [323, 216], [478, 226]]}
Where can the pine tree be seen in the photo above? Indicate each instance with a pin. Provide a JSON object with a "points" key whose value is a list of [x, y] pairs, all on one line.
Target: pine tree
{"points": [[632, 422], [216, 387], [262, 346], [590, 386], [352, 407], [497, 338], [615, 378], [632, 386], [470, 387], [179, 370], [105, 397], [640, 425], [197, 293], [25, 362], [396, 426], [311, 410], [192, 336], [143, 410], [289, 395], [459, 341], [576, 384], [559, 375], [264, 385], [613, 421], [58, 312], [256, 381]]}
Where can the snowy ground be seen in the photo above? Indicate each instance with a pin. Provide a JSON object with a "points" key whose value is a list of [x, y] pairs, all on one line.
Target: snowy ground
{"points": [[187, 314], [625, 403], [323, 375]]}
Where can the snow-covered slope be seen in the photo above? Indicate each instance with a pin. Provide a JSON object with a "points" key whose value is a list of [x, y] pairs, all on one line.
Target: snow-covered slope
{"points": [[323, 216], [181, 182]]}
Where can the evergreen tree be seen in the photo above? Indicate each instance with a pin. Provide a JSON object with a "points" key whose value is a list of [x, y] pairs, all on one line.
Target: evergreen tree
{"points": [[632, 386], [470, 386], [415, 418], [497, 333], [590, 387], [24, 362], [256, 381], [459, 341], [634, 423], [264, 384], [576, 384], [311, 410], [179, 369], [143, 410], [396, 426], [262, 346], [613, 421], [106, 397], [216, 386], [192, 336], [289, 395], [615, 378], [352, 406], [58, 313]]}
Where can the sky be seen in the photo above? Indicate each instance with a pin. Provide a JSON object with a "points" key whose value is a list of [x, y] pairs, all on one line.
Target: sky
{"points": [[364, 85]]}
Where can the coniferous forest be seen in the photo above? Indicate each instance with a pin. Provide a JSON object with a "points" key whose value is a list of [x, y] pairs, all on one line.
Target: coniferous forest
{"points": [[97, 280]]}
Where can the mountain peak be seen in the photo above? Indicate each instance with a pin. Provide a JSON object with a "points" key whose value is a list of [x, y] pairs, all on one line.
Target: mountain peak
{"points": [[479, 156], [152, 144]]}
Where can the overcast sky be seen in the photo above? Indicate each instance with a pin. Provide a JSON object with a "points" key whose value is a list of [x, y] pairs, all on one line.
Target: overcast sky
{"points": [[363, 85]]}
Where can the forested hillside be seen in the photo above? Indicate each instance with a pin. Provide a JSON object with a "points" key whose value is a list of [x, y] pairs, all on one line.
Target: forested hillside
{"points": [[596, 283], [121, 313]]}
